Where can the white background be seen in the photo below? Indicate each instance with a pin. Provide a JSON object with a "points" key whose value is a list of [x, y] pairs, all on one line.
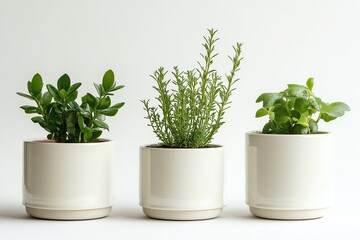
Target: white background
{"points": [[284, 42]]}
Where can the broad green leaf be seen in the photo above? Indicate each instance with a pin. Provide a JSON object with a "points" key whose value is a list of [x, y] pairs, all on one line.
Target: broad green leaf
{"points": [[101, 124], [29, 87], [108, 81], [71, 97], [117, 88], [25, 95], [105, 103], [53, 91], [297, 90], [46, 99], [261, 112], [267, 127], [101, 117], [73, 87], [84, 99], [87, 134], [71, 123], [272, 115], [30, 109], [301, 104], [269, 99], [80, 120], [326, 117], [62, 93], [295, 114], [97, 87], [299, 129], [313, 126], [38, 119], [95, 135], [64, 82], [92, 101], [109, 112], [36, 85], [336, 109], [118, 105], [86, 114], [281, 119], [303, 120], [315, 104], [310, 83], [290, 103]]}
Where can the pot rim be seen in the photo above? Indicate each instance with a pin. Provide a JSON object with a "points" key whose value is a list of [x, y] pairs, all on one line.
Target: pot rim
{"points": [[316, 135], [43, 141], [154, 146]]}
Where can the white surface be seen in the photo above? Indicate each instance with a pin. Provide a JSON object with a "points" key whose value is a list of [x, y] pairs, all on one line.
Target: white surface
{"points": [[284, 41]]}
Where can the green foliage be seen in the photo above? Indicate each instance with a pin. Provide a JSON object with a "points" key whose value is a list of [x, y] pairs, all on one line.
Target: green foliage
{"points": [[291, 111], [62, 117], [189, 115]]}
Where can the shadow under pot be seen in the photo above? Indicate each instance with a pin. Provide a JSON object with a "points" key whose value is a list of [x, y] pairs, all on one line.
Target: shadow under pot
{"points": [[182, 183], [288, 177], [68, 181]]}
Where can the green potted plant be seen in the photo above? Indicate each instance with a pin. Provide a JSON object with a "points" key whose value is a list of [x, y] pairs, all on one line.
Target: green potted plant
{"points": [[288, 163], [68, 176], [182, 177]]}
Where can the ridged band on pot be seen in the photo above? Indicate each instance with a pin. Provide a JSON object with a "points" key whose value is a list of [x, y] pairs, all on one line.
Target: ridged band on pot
{"points": [[68, 181], [288, 176], [182, 184]]}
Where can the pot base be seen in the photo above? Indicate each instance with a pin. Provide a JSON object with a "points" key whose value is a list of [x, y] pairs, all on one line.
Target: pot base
{"points": [[68, 214], [182, 215], [288, 214]]}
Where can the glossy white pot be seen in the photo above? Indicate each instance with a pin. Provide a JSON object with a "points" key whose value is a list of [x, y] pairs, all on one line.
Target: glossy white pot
{"points": [[182, 184], [288, 176], [68, 181]]}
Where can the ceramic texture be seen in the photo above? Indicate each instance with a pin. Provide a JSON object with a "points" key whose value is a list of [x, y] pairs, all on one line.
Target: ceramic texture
{"points": [[182, 184], [71, 177], [288, 176]]}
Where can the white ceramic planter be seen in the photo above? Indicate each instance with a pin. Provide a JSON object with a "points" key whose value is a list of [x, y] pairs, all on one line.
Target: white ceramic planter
{"points": [[182, 184], [288, 176], [68, 181]]}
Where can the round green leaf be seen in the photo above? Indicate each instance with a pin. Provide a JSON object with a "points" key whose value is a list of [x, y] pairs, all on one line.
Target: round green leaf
{"points": [[269, 99], [336, 109], [87, 134], [261, 112], [63, 82], [310, 83], [46, 99], [36, 85], [299, 129], [108, 81]]}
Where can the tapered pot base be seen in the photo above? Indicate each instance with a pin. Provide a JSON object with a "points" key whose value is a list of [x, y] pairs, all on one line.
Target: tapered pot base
{"points": [[288, 214], [182, 215], [68, 214]]}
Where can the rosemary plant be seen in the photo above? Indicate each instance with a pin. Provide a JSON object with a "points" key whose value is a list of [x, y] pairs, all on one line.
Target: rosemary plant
{"points": [[189, 115]]}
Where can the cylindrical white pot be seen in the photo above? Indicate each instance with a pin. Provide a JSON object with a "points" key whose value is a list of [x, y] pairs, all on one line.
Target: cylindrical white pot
{"points": [[288, 176], [182, 184], [68, 181]]}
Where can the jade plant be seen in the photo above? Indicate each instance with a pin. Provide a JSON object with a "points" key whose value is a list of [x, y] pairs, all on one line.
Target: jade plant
{"points": [[297, 110], [62, 117], [192, 105]]}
